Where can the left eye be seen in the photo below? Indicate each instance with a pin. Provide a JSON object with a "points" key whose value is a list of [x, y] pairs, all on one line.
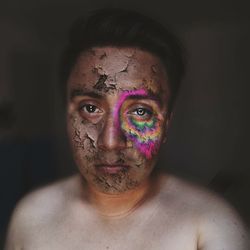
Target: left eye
{"points": [[142, 112]]}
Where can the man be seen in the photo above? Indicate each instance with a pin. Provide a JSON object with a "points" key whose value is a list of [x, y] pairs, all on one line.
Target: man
{"points": [[122, 72]]}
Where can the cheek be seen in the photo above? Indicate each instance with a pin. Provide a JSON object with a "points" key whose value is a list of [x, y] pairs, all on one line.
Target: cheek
{"points": [[82, 134], [146, 135]]}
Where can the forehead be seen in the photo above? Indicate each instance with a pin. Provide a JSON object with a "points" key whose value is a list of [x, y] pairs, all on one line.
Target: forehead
{"points": [[112, 68]]}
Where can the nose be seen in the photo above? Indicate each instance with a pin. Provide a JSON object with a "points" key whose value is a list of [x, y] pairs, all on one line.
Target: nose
{"points": [[111, 136]]}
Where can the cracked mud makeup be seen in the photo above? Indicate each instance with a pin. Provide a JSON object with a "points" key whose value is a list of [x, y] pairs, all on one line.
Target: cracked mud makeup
{"points": [[116, 116]]}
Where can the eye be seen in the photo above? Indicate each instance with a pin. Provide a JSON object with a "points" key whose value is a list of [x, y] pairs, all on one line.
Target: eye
{"points": [[90, 108], [142, 112]]}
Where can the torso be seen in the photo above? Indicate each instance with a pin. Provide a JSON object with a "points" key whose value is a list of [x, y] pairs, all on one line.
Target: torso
{"points": [[163, 222]]}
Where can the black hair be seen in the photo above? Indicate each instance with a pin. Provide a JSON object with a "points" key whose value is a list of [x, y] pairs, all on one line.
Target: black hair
{"points": [[124, 28]]}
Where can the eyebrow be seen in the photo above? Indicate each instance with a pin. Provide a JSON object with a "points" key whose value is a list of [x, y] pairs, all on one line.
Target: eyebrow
{"points": [[80, 92], [150, 96]]}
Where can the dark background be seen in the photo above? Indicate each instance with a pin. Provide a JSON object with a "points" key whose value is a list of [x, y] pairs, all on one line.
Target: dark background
{"points": [[209, 137]]}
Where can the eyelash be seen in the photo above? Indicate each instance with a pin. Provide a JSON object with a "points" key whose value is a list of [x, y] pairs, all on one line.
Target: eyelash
{"points": [[140, 112], [146, 112], [85, 107]]}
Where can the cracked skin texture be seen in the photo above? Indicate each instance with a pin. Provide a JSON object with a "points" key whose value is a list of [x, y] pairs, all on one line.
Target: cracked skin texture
{"points": [[95, 138]]}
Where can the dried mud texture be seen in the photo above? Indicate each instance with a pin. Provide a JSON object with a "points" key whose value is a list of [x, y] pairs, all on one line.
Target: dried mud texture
{"points": [[97, 72], [102, 86], [77, 139], [126, 179], [102, 56], [154, 69], [108, 76], [115, 183], [82, 138], [87, 155]]}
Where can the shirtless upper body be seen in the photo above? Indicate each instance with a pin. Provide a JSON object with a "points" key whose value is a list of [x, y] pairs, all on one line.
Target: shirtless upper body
{"points": [[178, 216], [122, 75]]}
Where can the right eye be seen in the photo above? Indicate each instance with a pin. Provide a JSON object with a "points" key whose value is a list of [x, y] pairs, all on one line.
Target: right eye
{"points": [[90, 109]]}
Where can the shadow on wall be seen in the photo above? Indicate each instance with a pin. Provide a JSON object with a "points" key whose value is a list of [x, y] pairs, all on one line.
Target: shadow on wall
{"points": [[208, 139], [26, 146]]}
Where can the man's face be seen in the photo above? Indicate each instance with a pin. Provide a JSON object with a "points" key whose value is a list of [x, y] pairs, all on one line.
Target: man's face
{"points": [[117, 116]]}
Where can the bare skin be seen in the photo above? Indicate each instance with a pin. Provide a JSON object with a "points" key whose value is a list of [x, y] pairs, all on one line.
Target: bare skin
{"points": [[117, 120]]}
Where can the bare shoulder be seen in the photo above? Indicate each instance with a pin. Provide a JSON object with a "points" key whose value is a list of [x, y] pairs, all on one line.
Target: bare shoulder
{"points": [[46, 200], [38, 210], [197, 197], [218, 224]]}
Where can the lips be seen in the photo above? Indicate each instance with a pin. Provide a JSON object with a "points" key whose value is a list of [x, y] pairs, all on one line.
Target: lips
{"points": [[112, 168]]}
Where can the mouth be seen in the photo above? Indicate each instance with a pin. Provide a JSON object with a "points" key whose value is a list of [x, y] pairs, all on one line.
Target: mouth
{"points": [[112, 169]]}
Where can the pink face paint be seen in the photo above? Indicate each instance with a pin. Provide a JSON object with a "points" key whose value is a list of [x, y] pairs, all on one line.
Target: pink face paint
{"points": [[146, 132]]}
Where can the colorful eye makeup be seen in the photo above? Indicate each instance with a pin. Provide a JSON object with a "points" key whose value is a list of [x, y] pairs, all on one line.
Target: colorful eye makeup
{"points": [[140, 123]]}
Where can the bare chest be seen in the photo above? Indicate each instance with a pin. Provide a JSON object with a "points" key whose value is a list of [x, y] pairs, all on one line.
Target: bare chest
{"points": [[157, 231]]}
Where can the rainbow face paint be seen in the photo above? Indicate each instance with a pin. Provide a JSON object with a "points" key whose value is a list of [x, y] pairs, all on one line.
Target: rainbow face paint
{"points": [[140, 123]]}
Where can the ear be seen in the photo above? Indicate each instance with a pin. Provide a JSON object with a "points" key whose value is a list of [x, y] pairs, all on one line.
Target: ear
{"points": [[167, 125]]}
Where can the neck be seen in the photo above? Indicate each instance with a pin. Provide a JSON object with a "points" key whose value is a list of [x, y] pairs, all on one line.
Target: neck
{"points": [[121, 204]]}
